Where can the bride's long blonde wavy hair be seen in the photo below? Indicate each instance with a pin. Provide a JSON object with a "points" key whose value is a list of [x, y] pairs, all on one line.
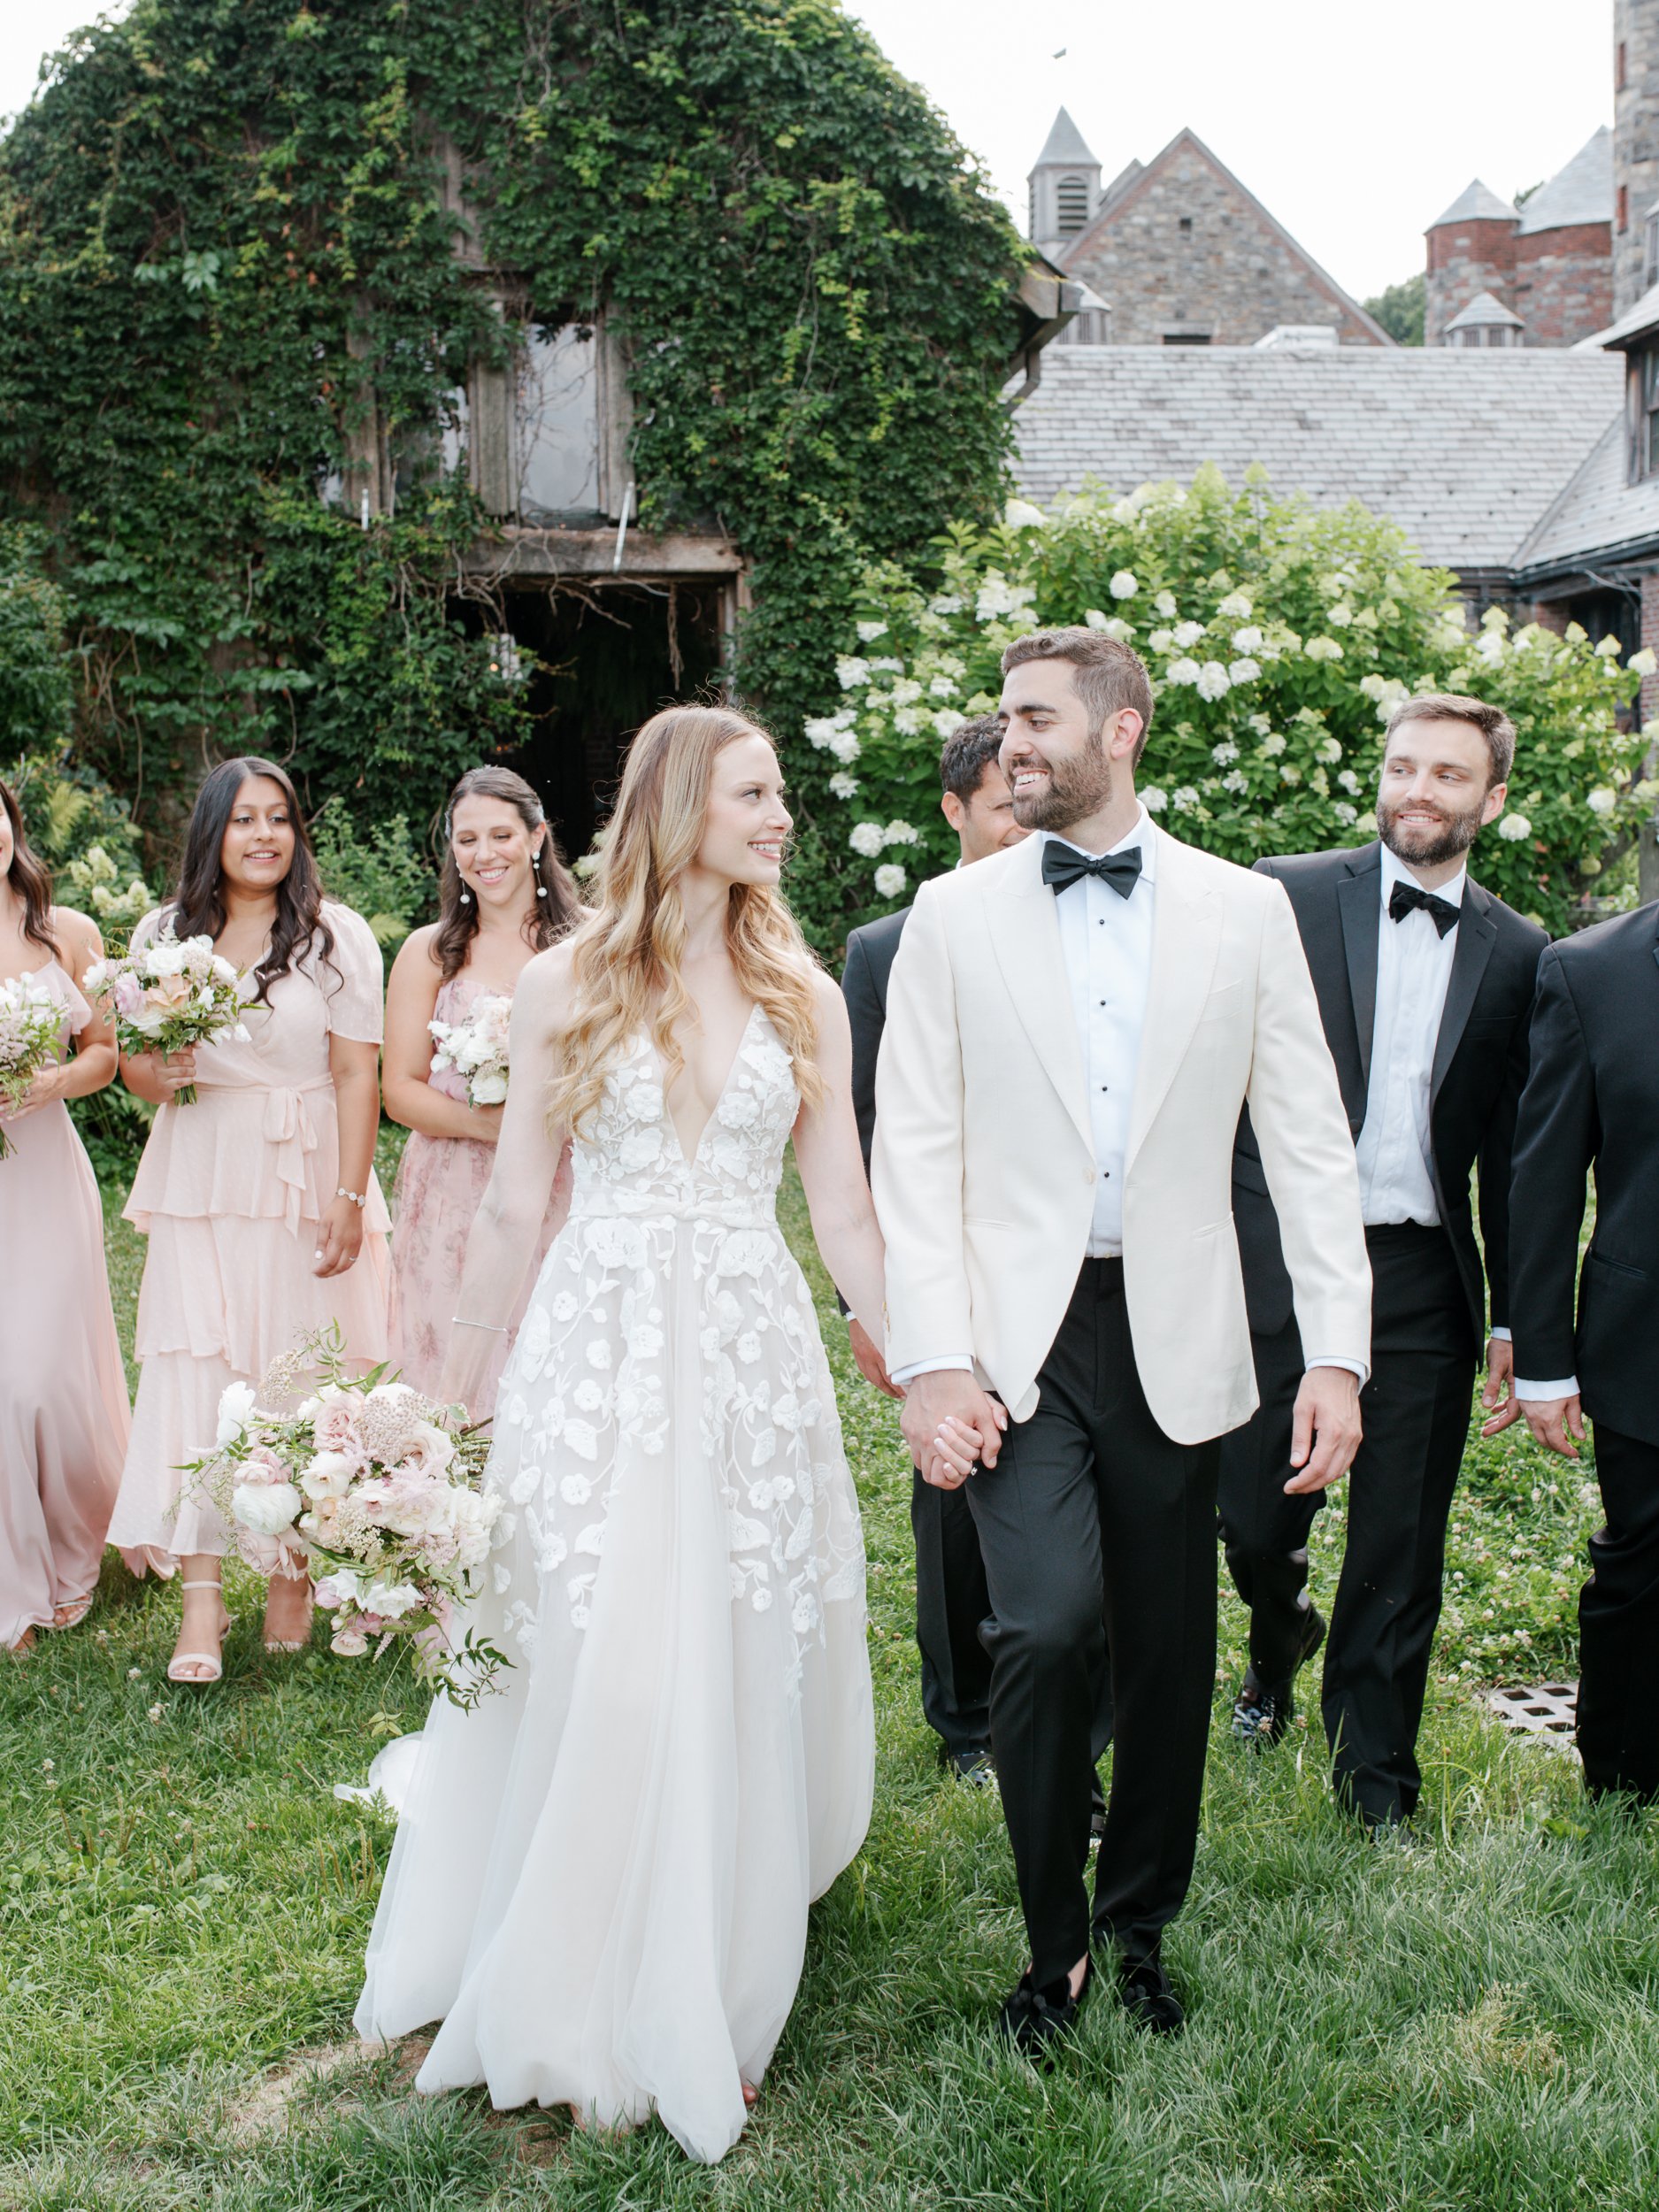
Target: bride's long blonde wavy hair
{"points": [[625, 956]]}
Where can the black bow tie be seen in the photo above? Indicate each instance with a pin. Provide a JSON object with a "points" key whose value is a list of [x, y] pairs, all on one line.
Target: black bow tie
{"points": [[1063, 865], [1405, 898]]}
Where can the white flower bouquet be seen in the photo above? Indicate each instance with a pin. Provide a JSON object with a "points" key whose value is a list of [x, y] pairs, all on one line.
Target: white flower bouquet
{"points": [[476, 1048], [30, 1018], [376, 1490], [172, 994]]}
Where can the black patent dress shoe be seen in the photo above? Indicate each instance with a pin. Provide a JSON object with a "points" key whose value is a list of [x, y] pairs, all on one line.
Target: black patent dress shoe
{"points": [[1264, 1710], [1035, 2021], [1146, 1995]]}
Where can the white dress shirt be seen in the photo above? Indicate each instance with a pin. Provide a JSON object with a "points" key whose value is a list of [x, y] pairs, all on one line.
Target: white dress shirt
{"points": [[1106, 942], [1414, 967]]}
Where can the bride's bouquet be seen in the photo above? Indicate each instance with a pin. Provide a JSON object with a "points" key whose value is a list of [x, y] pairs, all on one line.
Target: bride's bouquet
{"points": [[376, 1490], [476, 1048], [30, 1018], [172, 994]]}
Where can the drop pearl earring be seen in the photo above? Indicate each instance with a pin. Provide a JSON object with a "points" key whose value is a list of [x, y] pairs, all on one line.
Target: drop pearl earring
{"points": [[467, 898]]}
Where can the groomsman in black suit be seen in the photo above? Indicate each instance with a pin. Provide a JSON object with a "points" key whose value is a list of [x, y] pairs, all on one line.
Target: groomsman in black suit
{"points": [[1592, 1101], [1424, 982], [950, 1593]]}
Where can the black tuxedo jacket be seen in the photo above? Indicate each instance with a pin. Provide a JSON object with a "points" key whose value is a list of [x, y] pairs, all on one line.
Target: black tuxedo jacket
{"points": [[1480, 1067], [1592, 1099], [864, 973]]}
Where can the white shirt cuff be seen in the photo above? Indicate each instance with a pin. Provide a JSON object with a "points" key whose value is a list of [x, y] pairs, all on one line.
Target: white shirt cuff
{"points": [[1499, 1336], [959, 1362], [1566, 1387], [1349, 1366]]}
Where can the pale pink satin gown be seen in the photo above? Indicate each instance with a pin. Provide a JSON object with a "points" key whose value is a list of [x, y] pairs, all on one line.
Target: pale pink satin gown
{"points": [[440, 1183], [63, 1415], [231, 1193]]}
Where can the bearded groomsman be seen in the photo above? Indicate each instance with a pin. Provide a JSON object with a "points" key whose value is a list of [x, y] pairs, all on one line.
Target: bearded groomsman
{"points": [[1074, 1028], [1425, 984], [1591, 1103], [950, 1594]]}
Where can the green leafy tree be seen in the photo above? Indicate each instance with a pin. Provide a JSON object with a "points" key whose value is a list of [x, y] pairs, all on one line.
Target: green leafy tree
{"points": [[1399, 308], [37, 683], [1279, 639]]}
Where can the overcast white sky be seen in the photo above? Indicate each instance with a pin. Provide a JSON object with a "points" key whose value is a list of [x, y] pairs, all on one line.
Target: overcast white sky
{"points": [[1356, 122]]}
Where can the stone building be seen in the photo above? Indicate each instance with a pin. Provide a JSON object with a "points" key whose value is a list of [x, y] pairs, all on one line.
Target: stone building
{"points": [[1178, 252], [1548, 264]]}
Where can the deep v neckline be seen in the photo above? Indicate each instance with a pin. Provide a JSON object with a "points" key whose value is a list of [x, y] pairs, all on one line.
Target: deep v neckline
{"points": [[691, 1158]]}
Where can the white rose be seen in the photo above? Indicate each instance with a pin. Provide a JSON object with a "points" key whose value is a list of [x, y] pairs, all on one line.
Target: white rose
{"points": [[267, 1508], [342, 1587], [1123, 585], [328, 1476], [164, 958], [392, 1599], [489, 1090], [235, 1410], [1514, 827]]}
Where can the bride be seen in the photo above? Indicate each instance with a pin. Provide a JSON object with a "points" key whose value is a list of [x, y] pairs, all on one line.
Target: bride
{"points": [[600, 1877]]}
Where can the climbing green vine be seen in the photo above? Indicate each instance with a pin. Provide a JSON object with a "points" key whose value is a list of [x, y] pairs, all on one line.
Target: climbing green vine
{"points": [[225, 250]]}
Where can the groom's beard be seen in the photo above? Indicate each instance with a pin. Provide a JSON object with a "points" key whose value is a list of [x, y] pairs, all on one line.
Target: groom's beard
{"points": [[1423, 844], [1075, 789]]}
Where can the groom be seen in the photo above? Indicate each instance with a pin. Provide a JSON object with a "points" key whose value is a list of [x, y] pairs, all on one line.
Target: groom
{"points": [[1072, 1029]]}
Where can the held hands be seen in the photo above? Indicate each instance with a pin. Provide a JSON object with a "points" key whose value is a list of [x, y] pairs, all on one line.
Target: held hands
{"points": [[340, 1237], [1556, 1423], [871, 1364], [1500, 1386], [951, 1426], [1324, 1429]]}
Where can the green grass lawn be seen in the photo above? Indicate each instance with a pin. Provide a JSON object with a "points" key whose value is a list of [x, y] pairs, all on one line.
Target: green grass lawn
{"points": [[1462, 2020]]}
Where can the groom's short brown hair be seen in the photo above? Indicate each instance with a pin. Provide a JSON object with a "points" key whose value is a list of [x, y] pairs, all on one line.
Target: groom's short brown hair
{"points": [[1110, 676]]}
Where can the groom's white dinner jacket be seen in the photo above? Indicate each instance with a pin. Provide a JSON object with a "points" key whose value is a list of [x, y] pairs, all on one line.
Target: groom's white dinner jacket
{"points": [[985, 1169]]}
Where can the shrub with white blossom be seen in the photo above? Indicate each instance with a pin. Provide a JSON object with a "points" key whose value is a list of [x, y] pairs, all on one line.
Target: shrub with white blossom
{"points": [[1279, 638]]}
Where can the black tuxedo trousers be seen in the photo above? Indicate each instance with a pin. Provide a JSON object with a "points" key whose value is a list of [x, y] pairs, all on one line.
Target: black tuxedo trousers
{"points": [[1097, 1530], [1416, 1412]]}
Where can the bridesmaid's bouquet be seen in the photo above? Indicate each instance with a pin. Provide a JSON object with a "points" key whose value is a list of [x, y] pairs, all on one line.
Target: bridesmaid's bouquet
{"points": [[172, 994], [476, 1048], [376, 1489], [31, 1016]]}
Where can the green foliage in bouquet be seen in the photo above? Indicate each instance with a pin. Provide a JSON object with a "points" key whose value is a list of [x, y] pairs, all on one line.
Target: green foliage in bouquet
{"points": [[1279, 639], [227, 264]]}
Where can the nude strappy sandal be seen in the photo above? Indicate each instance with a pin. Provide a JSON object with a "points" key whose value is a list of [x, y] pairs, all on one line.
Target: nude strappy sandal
{"points": [[200, 1658]]}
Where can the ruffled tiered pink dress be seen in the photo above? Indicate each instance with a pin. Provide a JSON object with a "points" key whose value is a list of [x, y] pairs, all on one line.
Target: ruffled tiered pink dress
{"points": [[231, 1193], [63, 1415], [440, 1183]]}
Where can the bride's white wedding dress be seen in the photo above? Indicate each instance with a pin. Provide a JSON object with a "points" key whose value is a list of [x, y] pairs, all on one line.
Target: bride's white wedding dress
{"points": [[600, 1877]]}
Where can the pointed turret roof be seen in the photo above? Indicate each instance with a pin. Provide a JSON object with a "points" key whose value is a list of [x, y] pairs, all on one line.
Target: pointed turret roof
{"points": [[1580, 192], [1482, 309], [1479, 203], [1065, 146]]}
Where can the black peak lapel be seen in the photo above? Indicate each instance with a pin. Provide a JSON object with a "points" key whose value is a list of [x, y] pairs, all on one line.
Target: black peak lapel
{"points": [[1359, 902], [1475, 936]]}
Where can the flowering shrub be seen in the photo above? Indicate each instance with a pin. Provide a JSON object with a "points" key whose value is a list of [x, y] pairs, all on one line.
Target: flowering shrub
{"points": [[1279, 638]]}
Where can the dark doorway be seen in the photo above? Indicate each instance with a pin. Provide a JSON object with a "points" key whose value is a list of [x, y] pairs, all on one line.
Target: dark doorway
{"points": [[609, 655]]}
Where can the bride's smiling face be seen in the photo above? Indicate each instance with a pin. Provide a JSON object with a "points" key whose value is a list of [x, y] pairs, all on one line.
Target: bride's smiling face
{"points": [[746, 824]]}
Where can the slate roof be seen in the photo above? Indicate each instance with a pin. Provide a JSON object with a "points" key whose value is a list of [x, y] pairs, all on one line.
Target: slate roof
{"points": [[1477, 204], [1580, 192], [1485, 308], [1598, 516], [1468, 450], [1065, 145]]}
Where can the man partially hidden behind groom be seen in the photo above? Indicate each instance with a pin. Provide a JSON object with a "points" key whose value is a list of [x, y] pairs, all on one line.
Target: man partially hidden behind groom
{"points": [[1074, 1028]]}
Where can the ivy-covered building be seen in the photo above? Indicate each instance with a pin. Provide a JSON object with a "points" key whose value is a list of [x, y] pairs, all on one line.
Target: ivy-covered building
{"points": [[390, 384]]}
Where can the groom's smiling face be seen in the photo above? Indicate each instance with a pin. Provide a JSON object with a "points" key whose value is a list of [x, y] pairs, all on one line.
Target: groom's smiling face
{"points": [[1058, 769]]}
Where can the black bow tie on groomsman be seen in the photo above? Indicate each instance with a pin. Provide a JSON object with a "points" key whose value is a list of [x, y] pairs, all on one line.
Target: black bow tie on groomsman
{"points": [[1405, 898], [1063, 865]]}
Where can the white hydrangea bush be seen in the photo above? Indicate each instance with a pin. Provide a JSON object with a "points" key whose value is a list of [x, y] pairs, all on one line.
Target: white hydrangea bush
{"points": [[1279, 639]]}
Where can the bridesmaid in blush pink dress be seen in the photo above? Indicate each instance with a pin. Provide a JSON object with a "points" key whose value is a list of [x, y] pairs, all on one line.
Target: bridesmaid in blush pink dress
{"points": [[505, 896], [62, 1397], [259, 1199]]}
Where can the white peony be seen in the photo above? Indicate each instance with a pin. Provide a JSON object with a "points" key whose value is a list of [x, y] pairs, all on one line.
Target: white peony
{"points": [[867, 839], [1514, 827], [235, 1410], [328, 1476], [1124, 584], [266, 1507], [391, 1600], [1601, 801]]}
